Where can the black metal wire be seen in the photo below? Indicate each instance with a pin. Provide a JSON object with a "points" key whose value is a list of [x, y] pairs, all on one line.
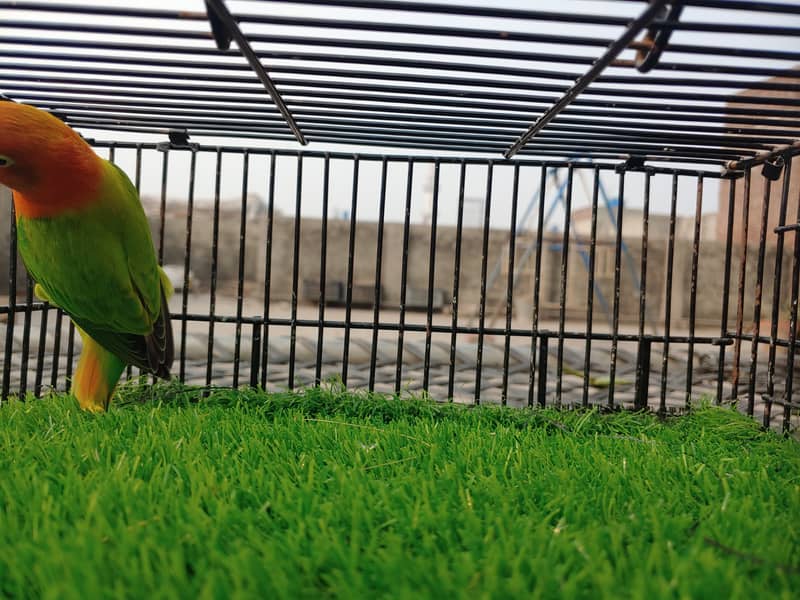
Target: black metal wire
{"points": [[377, 296], [456, 279], [12, 301], [323, 266], [431, 275], [534, 370], [241, 268], [512, 246], [351, 255], [590, 293], [268, 268], [737, 347], [487, 210], [698, 216], [212, 299], [348, 68], [187, 263], [758, 296], [401, 325], [612, 381], [776, 292], [662, 408], [562, 292], [296, 271]]}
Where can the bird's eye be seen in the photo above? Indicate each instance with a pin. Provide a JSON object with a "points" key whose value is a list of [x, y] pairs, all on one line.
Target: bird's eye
{"points": [[5, 161]]}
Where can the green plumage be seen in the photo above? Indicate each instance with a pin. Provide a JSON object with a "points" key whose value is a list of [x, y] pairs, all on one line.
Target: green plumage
{"points": [[98, 264]]}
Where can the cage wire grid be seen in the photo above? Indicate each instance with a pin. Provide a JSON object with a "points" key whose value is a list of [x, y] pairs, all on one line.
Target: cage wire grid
{"points": [[629, 91]]}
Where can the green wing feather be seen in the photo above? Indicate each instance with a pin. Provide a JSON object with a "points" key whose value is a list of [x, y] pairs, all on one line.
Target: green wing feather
{"points": [[98, 264]]}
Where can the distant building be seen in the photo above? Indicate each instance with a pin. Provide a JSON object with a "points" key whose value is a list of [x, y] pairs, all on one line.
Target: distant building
{"points": [[633, 225], [757, 184]]}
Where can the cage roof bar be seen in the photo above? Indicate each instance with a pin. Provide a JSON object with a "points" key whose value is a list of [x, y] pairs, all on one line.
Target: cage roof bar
{"points": [[754, 139], [394, 47], [612, 108], [291, 86], [226, 20], [212, 110], [671, 142], [355, 113], [428, 30], [387, 61], [451, 9], [387, 74], [586, 80]]}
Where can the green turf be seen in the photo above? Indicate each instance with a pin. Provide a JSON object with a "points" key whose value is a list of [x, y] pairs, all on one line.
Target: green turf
{"points": [[329, 494]]}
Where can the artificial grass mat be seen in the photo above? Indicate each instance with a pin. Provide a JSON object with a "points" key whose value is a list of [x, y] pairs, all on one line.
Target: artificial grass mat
{"points": [[329, 493]]}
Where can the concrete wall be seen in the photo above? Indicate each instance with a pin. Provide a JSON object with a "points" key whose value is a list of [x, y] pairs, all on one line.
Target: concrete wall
{"points": [[710, 271]]}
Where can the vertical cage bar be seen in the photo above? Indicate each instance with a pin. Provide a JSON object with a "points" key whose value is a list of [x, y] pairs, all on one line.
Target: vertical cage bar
{"points": [[268, 270], [776, 294], [662, 406], [323, 267], [562, 290], [512, 245], [737, 346], [456, 277], [642, 374], [762, 246], [431, 277], [791, 351], [187, 261], [378, 277], [541, 382], [587, 352], [295, 269], [12, 303], [70, 352], [726, 289], [137, 178], [37, 384], [214, 256], [237, 348], [644, 349], [112, 153], [484, 259], [163, 205], [537, 280], [255, 354], [56, 349], [698, 215], [612, 376], [26, 337], [403, 278], [351, 254]]}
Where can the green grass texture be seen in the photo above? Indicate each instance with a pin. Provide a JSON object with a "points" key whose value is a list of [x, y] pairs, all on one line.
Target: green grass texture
{"points": [[325, 493]]}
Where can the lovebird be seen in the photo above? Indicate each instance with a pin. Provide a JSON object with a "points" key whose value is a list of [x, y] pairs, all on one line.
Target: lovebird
{"points": [[84, 238]]}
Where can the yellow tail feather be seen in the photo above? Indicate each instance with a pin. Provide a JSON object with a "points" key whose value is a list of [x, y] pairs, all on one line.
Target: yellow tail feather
{"points": [[96, 376]]}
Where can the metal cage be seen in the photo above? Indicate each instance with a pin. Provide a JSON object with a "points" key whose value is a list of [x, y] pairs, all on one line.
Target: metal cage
{"points": [[559, 248]]}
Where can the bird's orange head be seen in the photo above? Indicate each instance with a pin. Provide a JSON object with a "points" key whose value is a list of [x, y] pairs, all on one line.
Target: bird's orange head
{"points": [[49, 167]]}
